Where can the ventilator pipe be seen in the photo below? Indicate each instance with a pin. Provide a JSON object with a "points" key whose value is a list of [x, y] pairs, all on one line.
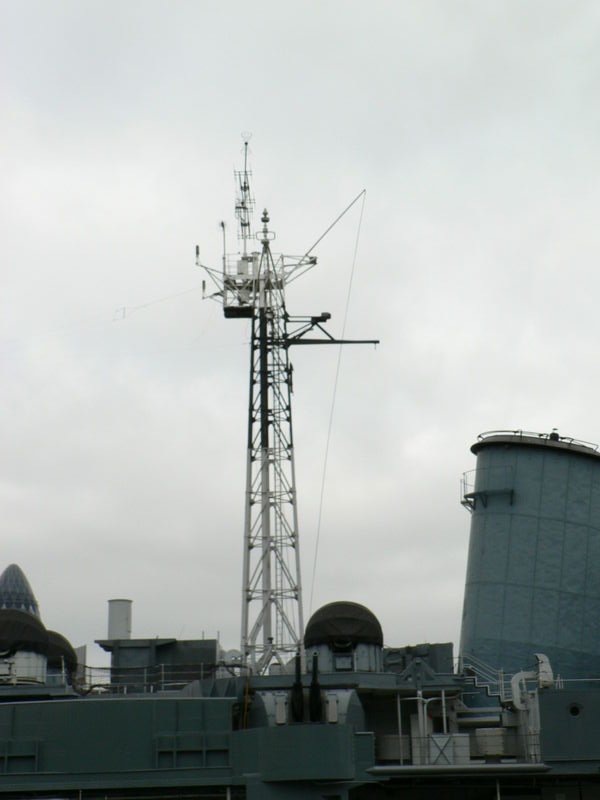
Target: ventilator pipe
{"points": [[297, 694], [314, 697]]}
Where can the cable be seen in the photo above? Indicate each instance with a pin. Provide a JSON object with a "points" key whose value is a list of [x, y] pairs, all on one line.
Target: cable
{"points": [[120, 313], [123, 311], [311, 264], [333, 399], [336, 220]]}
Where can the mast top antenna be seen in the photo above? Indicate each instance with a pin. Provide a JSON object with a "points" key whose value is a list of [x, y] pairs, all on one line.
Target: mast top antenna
{"points": [[244, 202]]}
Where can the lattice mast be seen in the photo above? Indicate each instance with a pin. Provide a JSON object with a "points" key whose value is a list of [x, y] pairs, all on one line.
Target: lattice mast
{"points": [[252, 285], [272, 623]]}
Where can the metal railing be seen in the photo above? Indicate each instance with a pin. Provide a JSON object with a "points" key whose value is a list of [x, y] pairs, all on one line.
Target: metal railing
{"points": [[461, 749], [144, 680], [552, 436], [564, 683], [484, 676], [485, 482]]}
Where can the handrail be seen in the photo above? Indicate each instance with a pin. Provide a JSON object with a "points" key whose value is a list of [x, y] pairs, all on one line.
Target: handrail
{"points": [[486, 676], [142, 679], [553, 436]]}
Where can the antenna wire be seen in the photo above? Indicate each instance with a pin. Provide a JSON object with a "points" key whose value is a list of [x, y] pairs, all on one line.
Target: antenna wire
{"points": [[333, 399]]}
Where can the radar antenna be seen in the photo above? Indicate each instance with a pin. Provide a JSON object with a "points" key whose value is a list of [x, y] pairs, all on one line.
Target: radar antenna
{"points": [[252, 286]]}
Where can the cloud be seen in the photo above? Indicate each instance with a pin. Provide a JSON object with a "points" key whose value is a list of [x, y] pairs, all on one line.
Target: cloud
{"points": [[474, 130]]}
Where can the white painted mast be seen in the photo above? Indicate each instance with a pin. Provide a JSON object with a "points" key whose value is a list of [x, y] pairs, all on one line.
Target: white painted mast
{"points": [[252, 286]]}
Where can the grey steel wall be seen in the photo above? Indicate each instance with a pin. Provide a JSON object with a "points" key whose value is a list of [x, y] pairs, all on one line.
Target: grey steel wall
{"points": [[153, 746], [533, 574]]}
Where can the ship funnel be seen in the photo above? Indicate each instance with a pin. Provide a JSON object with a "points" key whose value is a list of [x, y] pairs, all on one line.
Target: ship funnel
{"points": [[119, 619], [533, 570]]}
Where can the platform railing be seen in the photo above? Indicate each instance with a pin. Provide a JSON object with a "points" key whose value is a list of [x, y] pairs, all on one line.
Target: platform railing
{"points": [[141, 680], [552, 436]]}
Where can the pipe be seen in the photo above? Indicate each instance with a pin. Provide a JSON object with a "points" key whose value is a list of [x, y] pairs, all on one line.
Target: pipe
{"points": [[314, 693], [399, 713], [466, 769], [297, 694], [444, 715], [422, 718]]}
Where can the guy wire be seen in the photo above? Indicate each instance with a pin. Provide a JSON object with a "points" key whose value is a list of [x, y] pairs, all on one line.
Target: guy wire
{"points": [[333, 399]]}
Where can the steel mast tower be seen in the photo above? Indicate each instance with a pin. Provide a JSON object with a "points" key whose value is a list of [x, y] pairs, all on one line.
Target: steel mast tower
{"points": [[252, 286]]}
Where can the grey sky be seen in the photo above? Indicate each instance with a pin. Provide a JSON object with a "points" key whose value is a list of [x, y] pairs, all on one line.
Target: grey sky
{"points": [[474, 127]]}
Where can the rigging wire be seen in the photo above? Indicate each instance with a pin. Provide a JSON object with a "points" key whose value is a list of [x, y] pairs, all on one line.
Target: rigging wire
{"points": [[123, 311], [311, 264], [332, 408], [335, 222], [120, 313]]}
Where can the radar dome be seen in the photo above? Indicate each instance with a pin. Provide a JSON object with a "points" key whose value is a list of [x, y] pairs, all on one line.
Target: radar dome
{"points": [[343, 623]]}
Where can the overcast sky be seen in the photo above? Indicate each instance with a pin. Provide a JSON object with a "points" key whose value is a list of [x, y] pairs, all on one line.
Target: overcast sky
{"points": [[475, 129]]}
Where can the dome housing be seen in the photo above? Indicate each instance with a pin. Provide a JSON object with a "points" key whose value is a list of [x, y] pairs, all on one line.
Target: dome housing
{"points": [[29, 654], [23, 647], [343, 622], [346, 637]]}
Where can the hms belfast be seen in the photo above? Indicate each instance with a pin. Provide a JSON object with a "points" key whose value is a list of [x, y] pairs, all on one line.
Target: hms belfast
{"points": [[330, 709]]}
